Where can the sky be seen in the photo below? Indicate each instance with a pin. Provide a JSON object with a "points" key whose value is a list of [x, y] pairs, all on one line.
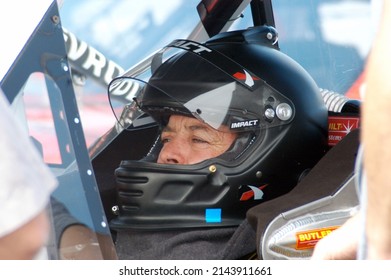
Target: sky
{"points": [[17, 25]]}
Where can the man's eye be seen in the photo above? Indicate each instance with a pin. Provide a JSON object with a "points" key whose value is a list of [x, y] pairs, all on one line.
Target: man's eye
{"points": [[198, 140]]}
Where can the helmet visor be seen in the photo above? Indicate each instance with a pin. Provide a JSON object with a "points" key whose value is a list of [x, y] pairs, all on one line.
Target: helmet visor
{"points": [[190, 79]]}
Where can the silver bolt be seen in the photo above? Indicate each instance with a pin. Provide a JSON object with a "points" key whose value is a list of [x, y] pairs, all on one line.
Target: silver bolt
{"points": [[269, 113], [284, 111]]}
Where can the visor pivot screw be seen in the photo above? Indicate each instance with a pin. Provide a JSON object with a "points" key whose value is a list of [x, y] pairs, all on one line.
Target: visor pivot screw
{"points": [[284, 111], [269, 113], [258, 174], [115, 210], [212, 168]]}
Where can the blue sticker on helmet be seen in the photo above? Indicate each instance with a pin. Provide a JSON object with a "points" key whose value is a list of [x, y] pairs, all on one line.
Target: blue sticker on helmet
{"points": [[213, 215]]}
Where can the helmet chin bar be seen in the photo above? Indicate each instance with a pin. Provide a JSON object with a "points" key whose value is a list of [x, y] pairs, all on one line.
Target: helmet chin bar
{"points": [[158, 200]]}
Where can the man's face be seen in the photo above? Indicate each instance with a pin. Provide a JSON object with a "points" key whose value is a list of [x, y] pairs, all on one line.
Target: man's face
{"points": [[187, 141]]}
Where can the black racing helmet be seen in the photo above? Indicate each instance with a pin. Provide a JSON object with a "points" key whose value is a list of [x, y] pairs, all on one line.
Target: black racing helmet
{"points": [[238, 80]]}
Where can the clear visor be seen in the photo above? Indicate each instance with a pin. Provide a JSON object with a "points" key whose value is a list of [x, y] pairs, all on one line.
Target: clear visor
{"points": [[203, 84]]}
